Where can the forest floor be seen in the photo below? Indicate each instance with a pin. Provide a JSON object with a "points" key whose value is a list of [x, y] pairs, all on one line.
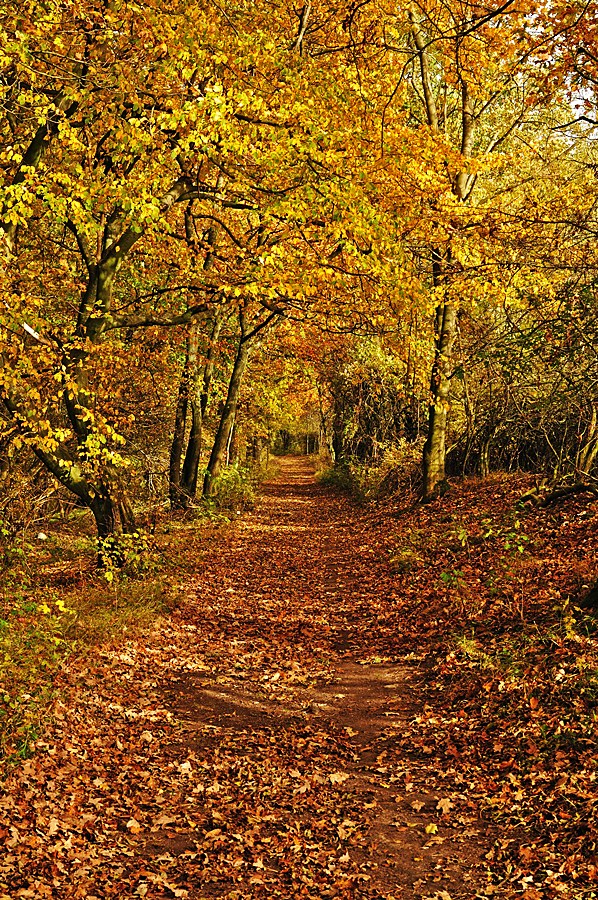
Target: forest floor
{"points": [[374, 703]]}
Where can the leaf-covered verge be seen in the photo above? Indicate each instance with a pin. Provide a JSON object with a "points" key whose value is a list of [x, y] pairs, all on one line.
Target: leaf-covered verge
{"points": [[487, 594], [55, 605], [227, 751]]}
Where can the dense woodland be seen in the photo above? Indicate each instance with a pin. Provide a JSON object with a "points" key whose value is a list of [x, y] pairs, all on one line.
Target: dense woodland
{"points": [[362, 232], [223, 225]]}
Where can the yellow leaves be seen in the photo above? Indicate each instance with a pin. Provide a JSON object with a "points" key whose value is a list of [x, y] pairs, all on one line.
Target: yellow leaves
{"points": [[61, 606], [213, 834]]}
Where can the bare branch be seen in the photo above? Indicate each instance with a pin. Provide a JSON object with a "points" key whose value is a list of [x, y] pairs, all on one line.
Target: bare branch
{"points": [[303, 20]]}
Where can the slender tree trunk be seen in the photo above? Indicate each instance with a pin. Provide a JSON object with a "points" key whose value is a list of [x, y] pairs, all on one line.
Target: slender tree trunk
{"points": [[337, 428], [199, 395], [440, 387], [434, 457], [198, 388], [126, 513], [185, 477], [484, 457], [230, 447], [470, 420], [209, 367], [586, 456], [227, 419], [178, 438]]}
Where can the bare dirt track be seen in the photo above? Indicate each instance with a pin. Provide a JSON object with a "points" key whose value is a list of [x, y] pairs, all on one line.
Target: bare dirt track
{"points": [[257, 744]]}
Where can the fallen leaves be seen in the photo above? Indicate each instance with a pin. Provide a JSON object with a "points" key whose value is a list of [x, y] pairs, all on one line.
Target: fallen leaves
{"points": [[338, 777], [205, 758]]}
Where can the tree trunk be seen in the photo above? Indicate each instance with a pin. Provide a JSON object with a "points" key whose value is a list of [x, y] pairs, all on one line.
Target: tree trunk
{"points": [[199, 396], [188, 484], [440, 387], [126, 514], [484, 457], [178, 438], [258, 449], [104, 514], [586, 456], [187, 479], [227, 419], [434, 457], [231, 447], [590, 600], [338, 436]]}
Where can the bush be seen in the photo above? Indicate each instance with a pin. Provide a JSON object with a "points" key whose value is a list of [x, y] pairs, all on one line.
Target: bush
{"points": [[129, 553], [398, 471], [234, 489]]}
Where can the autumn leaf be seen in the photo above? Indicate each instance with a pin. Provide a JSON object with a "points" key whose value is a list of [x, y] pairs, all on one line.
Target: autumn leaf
{"points": [[338, 777]]}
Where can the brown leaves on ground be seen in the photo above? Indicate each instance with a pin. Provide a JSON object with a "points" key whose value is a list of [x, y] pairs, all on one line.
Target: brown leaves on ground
{"points": [[348, 704]]}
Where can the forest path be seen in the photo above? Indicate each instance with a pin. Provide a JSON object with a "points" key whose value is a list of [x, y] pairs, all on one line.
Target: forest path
{"points": [[261, 742], [295, 596]]}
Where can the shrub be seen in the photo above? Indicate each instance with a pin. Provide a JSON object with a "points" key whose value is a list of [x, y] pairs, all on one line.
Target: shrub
{"points": [[234, 489]]}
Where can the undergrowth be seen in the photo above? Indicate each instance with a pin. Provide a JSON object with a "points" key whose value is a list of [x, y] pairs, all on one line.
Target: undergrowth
{"points": [[396, 470], [50, 611], [233, 489]]}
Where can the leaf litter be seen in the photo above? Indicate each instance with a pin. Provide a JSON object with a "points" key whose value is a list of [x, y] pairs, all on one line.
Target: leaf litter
{"points": [[311, 723]]}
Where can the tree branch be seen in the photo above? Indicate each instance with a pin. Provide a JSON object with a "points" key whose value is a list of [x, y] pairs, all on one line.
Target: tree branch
{"points": [[430, 102], [303, 20]]}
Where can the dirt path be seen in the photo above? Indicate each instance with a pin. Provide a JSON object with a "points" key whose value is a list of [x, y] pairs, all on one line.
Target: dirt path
{"points": [[256, 746]]}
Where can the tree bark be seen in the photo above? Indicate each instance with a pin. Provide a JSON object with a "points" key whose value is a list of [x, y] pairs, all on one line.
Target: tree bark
{"points": [[126, 513], [199, 396], [590, 600], [103, 511], [227, 419], [188, 477], [434, 457], [178, 438], [440, 388], [586, 456], [484, 457], [338, 444]]}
